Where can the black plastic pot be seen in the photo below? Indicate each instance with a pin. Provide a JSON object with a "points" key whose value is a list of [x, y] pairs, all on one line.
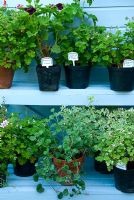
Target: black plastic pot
{"points": [[48, 78], [124, 180], [77, 77], [121, 79], [101, 167], [2, 180], [28, 169]]}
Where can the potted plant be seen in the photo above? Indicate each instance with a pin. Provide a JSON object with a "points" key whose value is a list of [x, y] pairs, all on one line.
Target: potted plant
{"points": [[101, 125], [48, 71], [75, 50], [77, 42], [116, 51], [26, 151], [116, 149], [7, 144], [17, 38], [70, 141]]}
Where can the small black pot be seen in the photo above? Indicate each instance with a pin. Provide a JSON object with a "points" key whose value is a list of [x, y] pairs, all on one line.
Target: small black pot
{"points": [[77, 77], [28, 169], [2, 180], [124, 180], [48, 78], [101, 167], [121, 79]]}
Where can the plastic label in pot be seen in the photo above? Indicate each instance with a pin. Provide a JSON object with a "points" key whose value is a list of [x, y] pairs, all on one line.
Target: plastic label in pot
{"points": [[73, 56], [47, 62], [128, 63]]}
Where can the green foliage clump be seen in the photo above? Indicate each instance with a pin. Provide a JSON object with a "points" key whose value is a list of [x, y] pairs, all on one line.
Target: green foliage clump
{"points": [[17, 39], [111, 48], [115, 144]]}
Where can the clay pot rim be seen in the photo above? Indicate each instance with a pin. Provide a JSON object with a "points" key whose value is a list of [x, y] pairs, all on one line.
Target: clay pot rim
{"points": [[80, 159]]}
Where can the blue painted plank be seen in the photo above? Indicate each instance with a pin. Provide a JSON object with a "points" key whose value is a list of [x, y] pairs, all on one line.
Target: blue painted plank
{"points": [[29, 94], [109, 3], [112, 17], [98, 187], [23, 2], [96, 3]]}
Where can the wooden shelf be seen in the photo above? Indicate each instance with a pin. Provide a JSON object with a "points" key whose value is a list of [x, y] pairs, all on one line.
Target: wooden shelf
{"points": [[29, 94], [98, 187]]}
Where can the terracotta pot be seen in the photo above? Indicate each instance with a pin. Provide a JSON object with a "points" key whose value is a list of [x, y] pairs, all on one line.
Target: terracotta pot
{"points": [[6, 77], [59, 164]]}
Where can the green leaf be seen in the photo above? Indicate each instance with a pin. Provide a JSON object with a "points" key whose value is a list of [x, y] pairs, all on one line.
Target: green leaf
{"points": [[106, 58], [40, 188], [65, 192], [60, 195], [56, 49]]}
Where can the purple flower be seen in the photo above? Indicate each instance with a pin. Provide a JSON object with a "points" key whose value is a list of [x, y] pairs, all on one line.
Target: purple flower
{"points": [[4, 124], [30, 10], [59, 6]]}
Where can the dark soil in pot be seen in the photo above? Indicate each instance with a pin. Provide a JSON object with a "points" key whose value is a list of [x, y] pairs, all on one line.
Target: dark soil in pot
{"points": [[101, 167], [77, 77], [28, 169], [2, 180], [121, 79], [48, 78], [6, 78], [124, 179]]}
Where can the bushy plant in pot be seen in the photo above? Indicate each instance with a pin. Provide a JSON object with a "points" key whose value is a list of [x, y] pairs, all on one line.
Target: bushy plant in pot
{"points": [[116, 149], [101, 125], [71, 140], [75, 50], [48, 71], [7, 144], [76, 46], [17, 38], [116, 51], [26, 150]]}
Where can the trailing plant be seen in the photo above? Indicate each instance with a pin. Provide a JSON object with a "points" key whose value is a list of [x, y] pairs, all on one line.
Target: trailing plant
{"points": [[71, 138]]}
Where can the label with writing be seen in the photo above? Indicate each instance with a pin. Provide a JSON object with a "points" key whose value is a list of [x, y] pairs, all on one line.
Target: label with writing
{"points": [[73, 56], [121, 166], [128, 63], [47, 62]]}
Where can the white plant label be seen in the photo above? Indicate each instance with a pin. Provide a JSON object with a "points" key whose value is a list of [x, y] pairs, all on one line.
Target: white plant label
{"points": [[128, 63], [121, 166], [47, 62], [73, 56]]}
